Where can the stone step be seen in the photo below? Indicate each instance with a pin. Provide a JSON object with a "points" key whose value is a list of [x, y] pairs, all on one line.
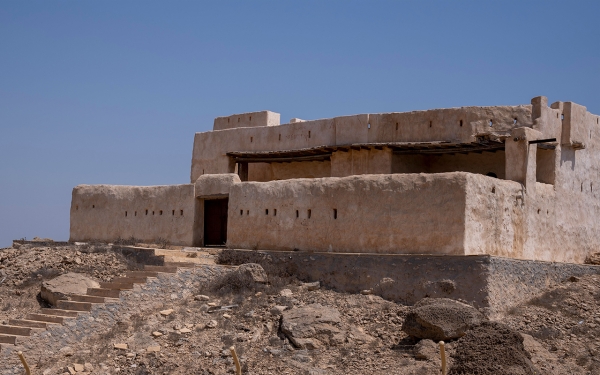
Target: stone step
{"points": [[15, 330], [144, 273], [8, 339], [135, 280], [163, 269], [47, 318], [180, 264], [61, 312], [116, 286], [74, 305], [84, 298], [102, 292], [28, 323]]}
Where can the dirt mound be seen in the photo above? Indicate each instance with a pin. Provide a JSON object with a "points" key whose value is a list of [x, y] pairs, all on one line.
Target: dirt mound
{"points": [[494, 349]]}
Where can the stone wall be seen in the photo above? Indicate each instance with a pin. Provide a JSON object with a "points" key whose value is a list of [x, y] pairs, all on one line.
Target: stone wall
{"points": [[369, 213], [494, 284], [148, 213]]}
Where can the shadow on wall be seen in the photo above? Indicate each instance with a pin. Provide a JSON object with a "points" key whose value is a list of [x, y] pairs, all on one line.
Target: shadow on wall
{"points": [[568, 155]]}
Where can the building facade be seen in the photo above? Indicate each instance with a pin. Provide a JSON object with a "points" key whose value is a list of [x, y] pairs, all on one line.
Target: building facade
{"points": [[513, 181]]}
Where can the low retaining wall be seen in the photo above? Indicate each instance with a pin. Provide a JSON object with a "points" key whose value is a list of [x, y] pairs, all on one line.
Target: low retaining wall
{"points": [[492, 284]]}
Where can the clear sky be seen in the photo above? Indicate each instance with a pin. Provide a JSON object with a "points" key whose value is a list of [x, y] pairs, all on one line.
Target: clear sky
{"points": [[112, 91]]}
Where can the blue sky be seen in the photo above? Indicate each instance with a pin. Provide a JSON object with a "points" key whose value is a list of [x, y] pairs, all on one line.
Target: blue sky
{"points": [[113, 91]]}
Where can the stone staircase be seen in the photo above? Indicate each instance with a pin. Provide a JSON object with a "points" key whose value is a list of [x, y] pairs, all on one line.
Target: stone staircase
{"points": [[18, 330]]}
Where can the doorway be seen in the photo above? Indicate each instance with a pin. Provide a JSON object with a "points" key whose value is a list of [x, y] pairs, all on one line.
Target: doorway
{"points": [[215, 222]]}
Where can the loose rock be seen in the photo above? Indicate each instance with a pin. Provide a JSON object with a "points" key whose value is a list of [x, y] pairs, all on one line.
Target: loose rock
{"points": [[440, 319]]}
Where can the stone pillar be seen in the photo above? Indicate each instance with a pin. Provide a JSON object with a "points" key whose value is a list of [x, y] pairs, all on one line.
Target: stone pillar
{"points": [[521, 157]]}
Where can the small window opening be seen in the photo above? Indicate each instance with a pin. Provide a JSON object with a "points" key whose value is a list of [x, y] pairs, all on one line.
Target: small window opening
{"points": [[461, 122], [515, 121], [396, 126], [309, 213], [146, 212], [228, 119], [238, 119], [173, 213], [250, 118], [335, 213], [591, 186], [297, 214], [125, 213], [539, 211], [562, 117], [180, 212], [274, 212], [430, 123], [160, 212], [493, 190], [280, 137], [267, 211], [152, 212], [251, 139], [93, 206], [369, 126], [557, 115], [77, 207], [247, 212], [135, 213], [590, 134], [309, 134], [491, 122], [203, 171], [241, 212], [582, 187]]}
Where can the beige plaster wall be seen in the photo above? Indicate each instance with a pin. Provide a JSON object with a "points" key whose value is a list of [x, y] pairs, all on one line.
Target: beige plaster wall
{"points": [[98, 213], [363, 161], [210, 148], [375, 213], [247, 120]]}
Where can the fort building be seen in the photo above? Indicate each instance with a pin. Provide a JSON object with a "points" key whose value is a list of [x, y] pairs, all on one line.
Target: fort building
{"points": [[519, 181]]}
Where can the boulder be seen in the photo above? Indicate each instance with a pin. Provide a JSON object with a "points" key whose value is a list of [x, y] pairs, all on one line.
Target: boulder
{"points": [[253, 272], [440, 319], [314, 322], [62, 286]]}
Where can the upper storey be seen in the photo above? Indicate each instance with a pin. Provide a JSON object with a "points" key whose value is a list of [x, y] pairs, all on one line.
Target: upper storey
{"points": [[219, 151]]}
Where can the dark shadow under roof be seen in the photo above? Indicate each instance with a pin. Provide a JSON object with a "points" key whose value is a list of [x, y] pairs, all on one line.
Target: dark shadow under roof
{"points": [[321, 153]]}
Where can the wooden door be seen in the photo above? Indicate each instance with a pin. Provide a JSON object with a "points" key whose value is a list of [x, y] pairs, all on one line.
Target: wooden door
{"points": [[215, 222]]}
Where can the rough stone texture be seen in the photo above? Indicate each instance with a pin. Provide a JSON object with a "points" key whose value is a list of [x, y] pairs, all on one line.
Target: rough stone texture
{"points": [[253, 272], [103, 318], [440, 319], [492, 349], [492, 284], [62, 286], [305, 326]]}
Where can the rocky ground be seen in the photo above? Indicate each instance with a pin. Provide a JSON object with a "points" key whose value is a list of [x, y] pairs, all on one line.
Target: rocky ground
{"points": [[289, 327], [23, 268]]}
